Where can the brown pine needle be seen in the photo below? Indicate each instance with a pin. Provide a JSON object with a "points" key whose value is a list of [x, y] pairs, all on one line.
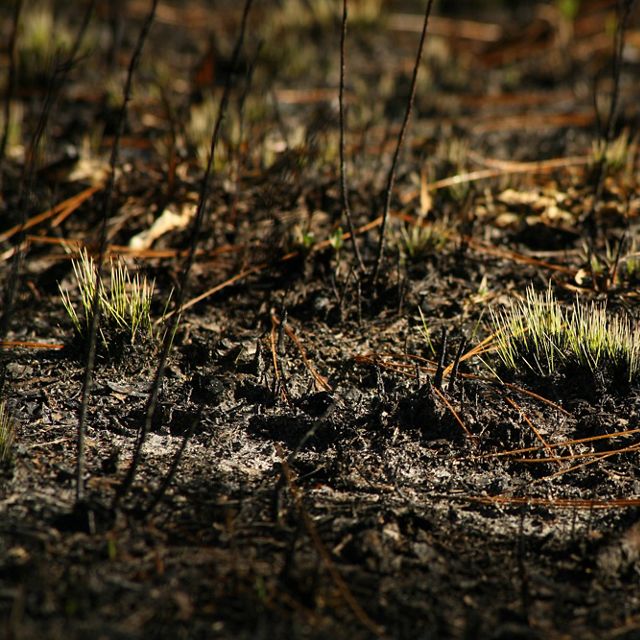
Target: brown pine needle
{"points": [[533, 428], [564, 443], [21, 344], [455, 414], [66, 207], [500, 169], [569, 503], [599, 456], [321, 381], [342, 587]]}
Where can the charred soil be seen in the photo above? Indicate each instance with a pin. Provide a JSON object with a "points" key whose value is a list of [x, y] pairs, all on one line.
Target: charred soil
{"points": [[357, 460]]}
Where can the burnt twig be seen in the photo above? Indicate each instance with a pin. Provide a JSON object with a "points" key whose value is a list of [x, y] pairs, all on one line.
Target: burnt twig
{"points": [[344, 188], [444, 347], [205, 186], [391, 178], [175, 463], [605, 133], [456, 364], [107, 206], [11, 79], [56, 82]]}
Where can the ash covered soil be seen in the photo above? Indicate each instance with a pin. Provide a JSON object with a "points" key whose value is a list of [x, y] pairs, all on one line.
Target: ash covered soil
{"points": [[335, 480]]}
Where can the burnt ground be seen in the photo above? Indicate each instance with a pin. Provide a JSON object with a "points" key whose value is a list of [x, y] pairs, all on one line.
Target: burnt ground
{"points": [[333, 483]]}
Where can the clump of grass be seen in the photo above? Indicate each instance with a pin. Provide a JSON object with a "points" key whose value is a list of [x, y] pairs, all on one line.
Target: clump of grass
{"points": [[323, 12], [42, 39], [614, 265], [629, 267], [7, 434], [416, 242], [297, 34], [540, 334], [455, 153], [616, 156], [237, 127], [198, 132], [125, 302]]}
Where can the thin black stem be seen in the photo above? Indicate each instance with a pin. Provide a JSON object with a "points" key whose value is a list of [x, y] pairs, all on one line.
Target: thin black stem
{"points": [[59, 75], [606, 132], [456, 365], [391, 178], [624, 11], [11, 79], [55, 84], [344, 188], [444, 348], [11, 285], [107, 207], [152, 400], [175, 463], [238, 155]]}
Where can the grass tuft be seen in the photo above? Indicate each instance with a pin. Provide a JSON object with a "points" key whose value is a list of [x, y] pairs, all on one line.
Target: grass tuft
{"points": [[42, 40], [416, 242], [540, 334], [616, 156], [125, 304]]}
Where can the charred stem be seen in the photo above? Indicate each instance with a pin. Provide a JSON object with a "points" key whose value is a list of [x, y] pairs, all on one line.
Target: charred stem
{"points": [[391, 178], [205, 187], [107, 207]]}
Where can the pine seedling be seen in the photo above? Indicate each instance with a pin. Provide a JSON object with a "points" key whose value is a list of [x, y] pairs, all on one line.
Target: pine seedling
{"points": [[128, 301], [85, 276], [44, 40], [543, 336], [125, 303]]}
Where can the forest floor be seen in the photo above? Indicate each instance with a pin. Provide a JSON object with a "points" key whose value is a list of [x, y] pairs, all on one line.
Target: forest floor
{"points": [[334, 482]]}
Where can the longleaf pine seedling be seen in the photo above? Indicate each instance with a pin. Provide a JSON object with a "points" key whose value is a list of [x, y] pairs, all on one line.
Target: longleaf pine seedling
{"points": [[125, 304], [540, 334]]}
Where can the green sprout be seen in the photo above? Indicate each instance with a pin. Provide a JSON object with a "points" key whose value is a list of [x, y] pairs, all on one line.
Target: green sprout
{"points": [[7, 434], [235, 129], [454, 153], [198, 133], [336, 240], [542, 335], [125, 304], [425, 332], [301, 239]]}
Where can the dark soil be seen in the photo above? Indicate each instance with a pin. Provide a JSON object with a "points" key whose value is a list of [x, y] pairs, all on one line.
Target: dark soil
{"points": [[335, 481]]}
